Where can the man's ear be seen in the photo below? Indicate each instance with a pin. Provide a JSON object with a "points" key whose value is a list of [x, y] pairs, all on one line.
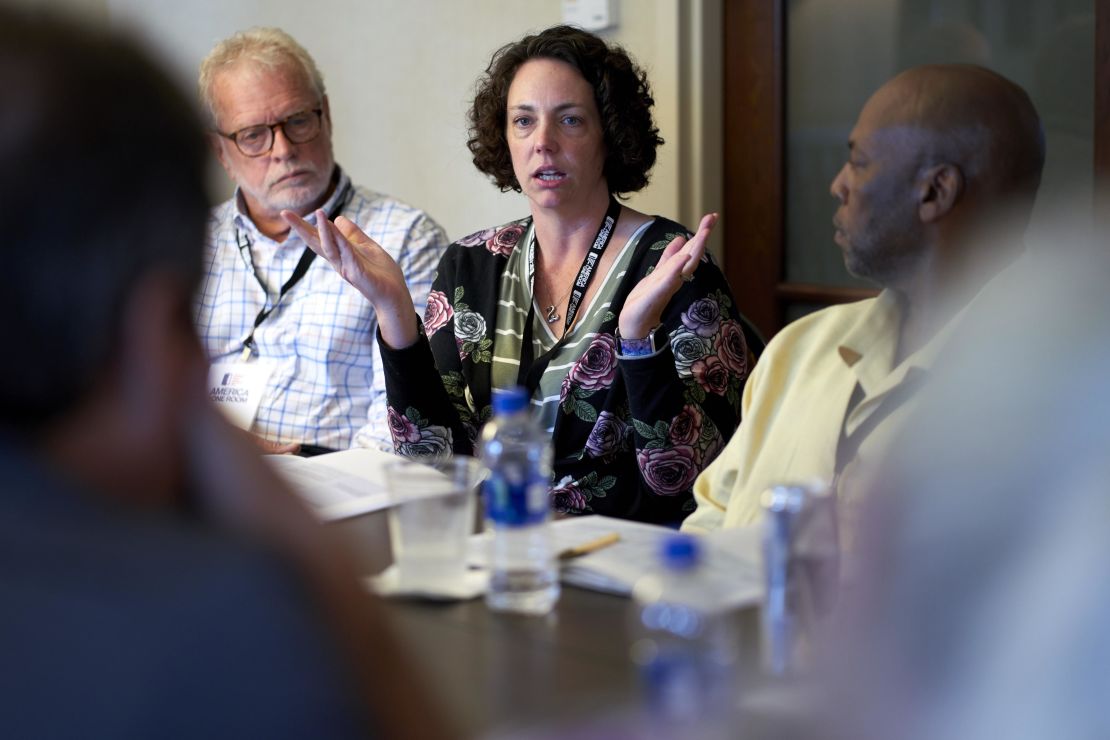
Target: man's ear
{"points": [[326, 108], [940, 189]]}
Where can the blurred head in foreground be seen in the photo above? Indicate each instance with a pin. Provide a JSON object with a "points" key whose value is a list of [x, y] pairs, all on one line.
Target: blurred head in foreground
{"points": [[135, 619], [102, 197]]}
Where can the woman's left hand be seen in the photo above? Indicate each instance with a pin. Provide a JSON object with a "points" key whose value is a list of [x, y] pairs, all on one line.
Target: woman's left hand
{"points": [[644, 306]]}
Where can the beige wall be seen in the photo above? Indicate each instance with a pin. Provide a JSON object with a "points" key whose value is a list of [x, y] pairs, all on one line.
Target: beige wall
{"points": [[400, 74]]}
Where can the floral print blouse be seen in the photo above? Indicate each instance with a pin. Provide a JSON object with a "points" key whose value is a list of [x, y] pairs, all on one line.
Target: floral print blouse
{"points": [[632, 433]]}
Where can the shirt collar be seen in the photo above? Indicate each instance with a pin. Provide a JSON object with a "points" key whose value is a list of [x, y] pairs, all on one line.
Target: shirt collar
{"points": [[869, 347], [875, 333]]}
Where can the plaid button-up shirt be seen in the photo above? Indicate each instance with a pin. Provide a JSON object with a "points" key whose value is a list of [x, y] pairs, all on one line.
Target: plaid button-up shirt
{"points": [[327, 388]]}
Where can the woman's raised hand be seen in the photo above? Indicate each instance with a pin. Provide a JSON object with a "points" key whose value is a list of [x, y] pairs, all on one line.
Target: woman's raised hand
{"points": [[644, 306], [364, 264]]}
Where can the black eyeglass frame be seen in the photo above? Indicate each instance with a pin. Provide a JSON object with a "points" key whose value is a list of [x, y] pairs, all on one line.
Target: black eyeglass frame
{"points": [[233, 136]]}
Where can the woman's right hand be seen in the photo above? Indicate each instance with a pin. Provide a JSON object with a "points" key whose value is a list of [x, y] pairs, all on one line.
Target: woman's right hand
{"points": [[364, 264]]}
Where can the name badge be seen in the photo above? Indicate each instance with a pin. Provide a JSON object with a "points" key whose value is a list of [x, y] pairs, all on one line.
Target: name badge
{"points": [[236, 388]]}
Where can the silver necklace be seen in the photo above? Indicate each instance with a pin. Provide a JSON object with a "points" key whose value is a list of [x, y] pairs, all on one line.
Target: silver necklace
{"points": [[550, 313], [585, 273]]}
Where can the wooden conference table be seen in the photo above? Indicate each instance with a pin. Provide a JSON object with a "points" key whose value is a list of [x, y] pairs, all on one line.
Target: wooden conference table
{"points": [[497, 672]]}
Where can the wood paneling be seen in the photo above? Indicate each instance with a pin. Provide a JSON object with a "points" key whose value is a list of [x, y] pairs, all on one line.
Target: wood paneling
{"points": [[754, 222], [1102, 105], [754, 136]]}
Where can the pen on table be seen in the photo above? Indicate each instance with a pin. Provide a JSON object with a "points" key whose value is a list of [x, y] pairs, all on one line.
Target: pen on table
{"points": [[592, 546]]}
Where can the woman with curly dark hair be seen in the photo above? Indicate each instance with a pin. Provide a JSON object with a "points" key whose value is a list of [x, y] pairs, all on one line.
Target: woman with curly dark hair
{"points": [[622, 329]]}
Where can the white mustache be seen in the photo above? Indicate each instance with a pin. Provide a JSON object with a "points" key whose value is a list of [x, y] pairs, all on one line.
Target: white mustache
{"points": [[295, 171]]}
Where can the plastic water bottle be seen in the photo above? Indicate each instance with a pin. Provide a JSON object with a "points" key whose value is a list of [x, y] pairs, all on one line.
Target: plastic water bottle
{"points": [[685, 642], [517, 452]]}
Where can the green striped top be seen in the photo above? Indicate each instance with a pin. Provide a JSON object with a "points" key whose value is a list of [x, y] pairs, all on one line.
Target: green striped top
{"points": [[515, 295]]}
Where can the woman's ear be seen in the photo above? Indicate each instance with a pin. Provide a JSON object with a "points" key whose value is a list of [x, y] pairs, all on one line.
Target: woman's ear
{"points": [[941, 188]]}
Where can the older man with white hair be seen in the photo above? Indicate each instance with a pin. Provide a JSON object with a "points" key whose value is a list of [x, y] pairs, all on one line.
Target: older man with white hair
{"points": [[292, 344]]}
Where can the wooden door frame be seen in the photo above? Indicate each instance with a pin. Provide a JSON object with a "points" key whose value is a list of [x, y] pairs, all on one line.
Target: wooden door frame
{"points": [[754, 94]]}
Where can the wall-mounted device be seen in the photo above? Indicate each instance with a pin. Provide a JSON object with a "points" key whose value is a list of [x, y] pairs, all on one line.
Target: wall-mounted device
{"points": [[591, 15]]}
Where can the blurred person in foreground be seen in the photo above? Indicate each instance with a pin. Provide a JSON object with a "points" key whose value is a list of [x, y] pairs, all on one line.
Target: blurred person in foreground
{"points": [[943, 168], [295, 335], [157, 580], [622, 329], [981, 603]]}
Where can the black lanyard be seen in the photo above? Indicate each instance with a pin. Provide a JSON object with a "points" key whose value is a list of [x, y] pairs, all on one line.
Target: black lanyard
{"points": [[531, 370], [298, 272]]}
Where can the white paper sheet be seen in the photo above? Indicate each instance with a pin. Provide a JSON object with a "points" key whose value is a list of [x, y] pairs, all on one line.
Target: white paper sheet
{"points": [[388, 583], [338, 485], [732, 561]]}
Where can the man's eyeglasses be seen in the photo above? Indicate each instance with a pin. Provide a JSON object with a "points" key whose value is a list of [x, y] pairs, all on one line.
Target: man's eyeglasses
{"points": [[299, 128]]}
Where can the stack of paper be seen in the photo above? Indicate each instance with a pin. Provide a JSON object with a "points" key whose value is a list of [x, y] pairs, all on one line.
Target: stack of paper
{"points": [[732, 562], [339, 484]]}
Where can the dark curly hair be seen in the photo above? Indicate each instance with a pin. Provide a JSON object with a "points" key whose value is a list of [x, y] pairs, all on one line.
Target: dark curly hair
{"points": [[621, 92]]}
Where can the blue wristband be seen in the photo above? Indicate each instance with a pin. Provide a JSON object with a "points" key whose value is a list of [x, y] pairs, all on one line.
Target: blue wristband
{"points": [[638, 347]]}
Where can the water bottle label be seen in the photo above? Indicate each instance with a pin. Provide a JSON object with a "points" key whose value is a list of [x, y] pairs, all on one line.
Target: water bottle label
{"points": [[515, 503]]}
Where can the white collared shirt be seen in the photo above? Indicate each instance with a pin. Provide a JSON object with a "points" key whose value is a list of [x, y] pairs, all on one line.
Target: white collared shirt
{"points": [[327, 388]]}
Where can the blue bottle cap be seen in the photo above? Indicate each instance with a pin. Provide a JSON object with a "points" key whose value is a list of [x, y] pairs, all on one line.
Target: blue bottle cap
{"points": [[680, 551], [510, 401]]}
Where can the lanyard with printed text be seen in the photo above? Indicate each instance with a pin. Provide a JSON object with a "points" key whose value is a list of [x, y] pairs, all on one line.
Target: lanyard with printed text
{"points": [[530, 370]]}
